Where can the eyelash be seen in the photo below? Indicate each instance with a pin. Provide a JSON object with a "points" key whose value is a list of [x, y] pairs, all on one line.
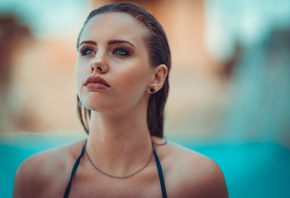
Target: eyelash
{"points": [[124, 52], [85, 49]]}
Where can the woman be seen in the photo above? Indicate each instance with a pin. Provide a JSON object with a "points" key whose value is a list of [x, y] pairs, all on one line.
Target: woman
{"points": [[122, 84]]}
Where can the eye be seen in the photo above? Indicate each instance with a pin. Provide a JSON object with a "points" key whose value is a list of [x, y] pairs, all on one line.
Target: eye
{"points": [[121, 51], [85, 51]]}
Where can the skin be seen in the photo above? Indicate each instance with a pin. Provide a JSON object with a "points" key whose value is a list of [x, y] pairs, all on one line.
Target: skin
{"points": [[119, 141]]}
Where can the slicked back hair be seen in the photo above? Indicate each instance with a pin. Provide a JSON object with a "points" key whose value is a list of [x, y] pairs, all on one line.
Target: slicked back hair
{"points": [[159, 53]]}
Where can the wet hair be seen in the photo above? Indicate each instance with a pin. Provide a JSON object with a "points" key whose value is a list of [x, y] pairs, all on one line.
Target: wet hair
{"points": [[159, 53]]}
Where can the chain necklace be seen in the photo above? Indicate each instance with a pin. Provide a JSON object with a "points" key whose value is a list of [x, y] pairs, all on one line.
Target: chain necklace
{"points": [[121, 177]]}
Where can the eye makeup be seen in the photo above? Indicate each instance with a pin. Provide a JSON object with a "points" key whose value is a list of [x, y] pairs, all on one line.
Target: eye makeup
{"points": [[120, 48], [86, 50], [121, 51]]}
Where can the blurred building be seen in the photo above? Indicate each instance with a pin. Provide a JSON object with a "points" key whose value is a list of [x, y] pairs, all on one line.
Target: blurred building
{"points": [[13, 36]]}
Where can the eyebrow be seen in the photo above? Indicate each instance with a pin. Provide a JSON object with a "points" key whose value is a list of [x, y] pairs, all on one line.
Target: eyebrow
{"points": [[88, 42], [111, 42]]}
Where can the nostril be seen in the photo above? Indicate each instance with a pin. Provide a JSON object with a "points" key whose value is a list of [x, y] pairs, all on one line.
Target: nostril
{"points": [[99, 68]]}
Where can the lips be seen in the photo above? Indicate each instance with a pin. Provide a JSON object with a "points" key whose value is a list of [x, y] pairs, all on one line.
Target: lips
{"points": [[96, 82]]}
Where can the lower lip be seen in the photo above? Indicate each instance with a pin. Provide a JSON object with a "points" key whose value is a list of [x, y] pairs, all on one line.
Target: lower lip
{"points": [[97, 86]]}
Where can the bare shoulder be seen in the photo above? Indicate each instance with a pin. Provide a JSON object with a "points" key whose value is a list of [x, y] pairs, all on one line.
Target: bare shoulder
{"points": [[39, 173], [190, 174]]}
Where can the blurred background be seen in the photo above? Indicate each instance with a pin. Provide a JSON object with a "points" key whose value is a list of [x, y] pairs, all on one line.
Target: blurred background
{"points": [[229, 95]]}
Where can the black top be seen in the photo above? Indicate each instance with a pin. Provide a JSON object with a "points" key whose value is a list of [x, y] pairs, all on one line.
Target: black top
{"points": [[159, 168]]}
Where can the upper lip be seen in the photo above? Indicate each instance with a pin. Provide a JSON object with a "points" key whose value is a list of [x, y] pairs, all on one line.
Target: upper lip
{"points": [[96, 79]]}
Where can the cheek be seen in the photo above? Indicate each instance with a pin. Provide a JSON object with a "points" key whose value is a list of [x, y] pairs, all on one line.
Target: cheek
{"points": [[80, 74], [134, 81], [78, 79]]}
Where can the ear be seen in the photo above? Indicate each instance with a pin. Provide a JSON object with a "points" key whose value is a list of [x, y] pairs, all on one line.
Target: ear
{"points": [[158, 78]]}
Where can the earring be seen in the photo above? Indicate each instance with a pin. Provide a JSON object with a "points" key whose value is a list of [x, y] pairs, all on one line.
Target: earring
{"points": [[152, 89]]}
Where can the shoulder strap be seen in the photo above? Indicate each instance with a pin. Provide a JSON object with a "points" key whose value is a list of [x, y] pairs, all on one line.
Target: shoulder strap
{"points": [[67, 190], [160, 173], [159, 168]]}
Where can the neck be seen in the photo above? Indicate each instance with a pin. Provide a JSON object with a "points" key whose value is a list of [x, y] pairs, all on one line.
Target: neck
{"points": [[119, 144]]}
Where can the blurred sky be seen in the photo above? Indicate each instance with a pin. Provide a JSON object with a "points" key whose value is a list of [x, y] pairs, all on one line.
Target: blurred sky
{"points": [[248, 21], [49, 18]]}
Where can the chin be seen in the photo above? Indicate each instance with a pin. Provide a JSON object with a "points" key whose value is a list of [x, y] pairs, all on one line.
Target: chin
{"points": [[97, 104]]}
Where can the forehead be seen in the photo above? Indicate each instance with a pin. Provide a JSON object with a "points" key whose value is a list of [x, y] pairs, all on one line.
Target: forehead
{"points": [[114, 26]]}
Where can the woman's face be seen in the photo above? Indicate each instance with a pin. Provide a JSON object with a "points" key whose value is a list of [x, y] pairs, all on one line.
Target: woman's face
{"points": [[112, 46]]}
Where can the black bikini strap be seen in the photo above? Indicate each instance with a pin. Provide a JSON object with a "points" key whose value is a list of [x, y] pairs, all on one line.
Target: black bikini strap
{"points": [[159, 168], [67, 190]]}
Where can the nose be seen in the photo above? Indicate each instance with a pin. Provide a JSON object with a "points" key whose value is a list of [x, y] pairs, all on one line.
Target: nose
{"points": [[99, 64]]}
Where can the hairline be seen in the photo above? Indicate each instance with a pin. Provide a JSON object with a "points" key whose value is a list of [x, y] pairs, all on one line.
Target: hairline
{"points": [[146, 34]]}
